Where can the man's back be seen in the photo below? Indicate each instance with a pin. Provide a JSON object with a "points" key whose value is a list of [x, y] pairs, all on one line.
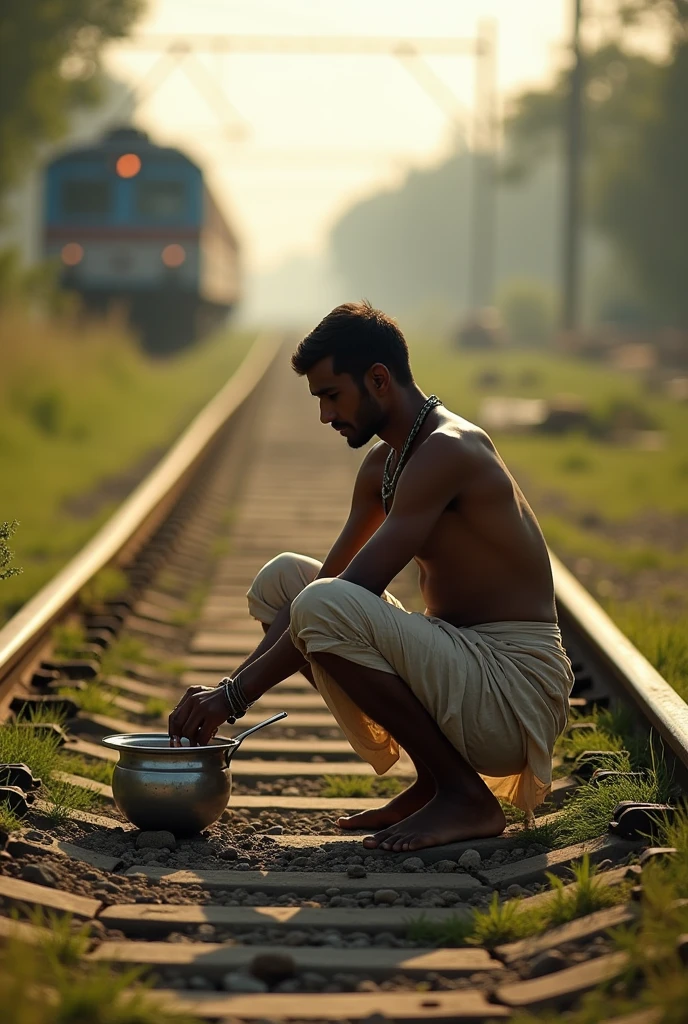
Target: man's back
{"points": [[485, 559]]}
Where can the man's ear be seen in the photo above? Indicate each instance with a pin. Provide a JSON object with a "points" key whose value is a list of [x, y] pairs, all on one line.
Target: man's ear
{"points": [[379, 377]]}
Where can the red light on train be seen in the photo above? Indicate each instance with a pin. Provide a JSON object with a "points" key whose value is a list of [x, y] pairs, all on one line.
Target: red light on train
{"points": [[173, 255], [72, 253], [128, 165]]}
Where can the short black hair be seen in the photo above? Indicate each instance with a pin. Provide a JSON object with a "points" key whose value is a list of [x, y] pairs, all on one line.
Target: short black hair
{"points": [[356, 336]]}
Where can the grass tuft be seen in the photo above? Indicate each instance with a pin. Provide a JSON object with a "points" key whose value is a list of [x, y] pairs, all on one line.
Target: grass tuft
{"points": [[511, 920], [9, 822], [363, 785], [92, 697], [63, 798], [588, 895], [501, 922], [107, 585], [20, 744], [86, 767], [69, 640], [78, 992]]}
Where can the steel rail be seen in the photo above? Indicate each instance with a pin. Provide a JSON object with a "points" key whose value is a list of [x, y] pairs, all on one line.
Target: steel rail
{"points": [[637, 679], [139, 514]]}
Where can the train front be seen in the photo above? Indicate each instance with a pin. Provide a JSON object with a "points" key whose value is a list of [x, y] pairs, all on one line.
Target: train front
{"points": [[128, 222]]}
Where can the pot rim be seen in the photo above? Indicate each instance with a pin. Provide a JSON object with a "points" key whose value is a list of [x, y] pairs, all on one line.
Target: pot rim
{"points": [[131, 741]]}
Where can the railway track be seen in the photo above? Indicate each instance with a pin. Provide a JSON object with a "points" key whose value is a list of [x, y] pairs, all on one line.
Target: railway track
{"points": [[273, 914]]}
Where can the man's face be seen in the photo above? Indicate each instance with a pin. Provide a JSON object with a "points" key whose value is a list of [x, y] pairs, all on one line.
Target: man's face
{"points": [[355, 413]]}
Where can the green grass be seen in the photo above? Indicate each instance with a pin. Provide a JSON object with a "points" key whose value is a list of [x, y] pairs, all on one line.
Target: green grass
{"points": [[656, 977], [107, 585], [80, 993], [69, 640], [663, 640], [364, 785], [19, 744], [88, 768], [92, 698], [63, 798], [509, 920], [592, 473], [42, 753], [156, 707], [9, 821], [79, 406]]}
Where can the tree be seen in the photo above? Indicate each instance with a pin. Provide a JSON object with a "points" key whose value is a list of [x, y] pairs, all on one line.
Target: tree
{"points": [[636, 151], [6, 532], [49, 61]]}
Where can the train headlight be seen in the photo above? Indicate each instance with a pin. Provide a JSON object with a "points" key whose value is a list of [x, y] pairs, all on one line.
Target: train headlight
{"points": [[128, 165], [173, 255], [72, 254]]}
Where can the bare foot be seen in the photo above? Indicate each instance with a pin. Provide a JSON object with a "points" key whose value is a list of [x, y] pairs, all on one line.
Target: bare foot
{"points": [[447, 818], [400, 807]]}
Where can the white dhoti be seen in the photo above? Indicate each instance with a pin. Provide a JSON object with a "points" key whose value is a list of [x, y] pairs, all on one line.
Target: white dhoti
{"points": [[498, 690]]}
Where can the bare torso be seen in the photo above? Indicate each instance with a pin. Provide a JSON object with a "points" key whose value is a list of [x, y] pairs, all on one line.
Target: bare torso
{"points": [[485, 559]]}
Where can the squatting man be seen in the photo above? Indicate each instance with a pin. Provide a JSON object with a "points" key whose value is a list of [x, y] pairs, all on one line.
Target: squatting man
{"points": [[475, 689]]}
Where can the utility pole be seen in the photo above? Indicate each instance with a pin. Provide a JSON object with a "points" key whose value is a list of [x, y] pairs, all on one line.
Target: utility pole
{"points": [[484, 171], [570, 309]]}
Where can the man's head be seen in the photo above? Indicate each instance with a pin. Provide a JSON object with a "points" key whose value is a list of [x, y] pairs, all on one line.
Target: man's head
{"points": [[356, 360]]}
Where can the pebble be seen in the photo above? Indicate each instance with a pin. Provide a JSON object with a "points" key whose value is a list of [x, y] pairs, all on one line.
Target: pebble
{"points": [[276, 830], [413, 864], [470, 860], [229, 853], [199, 983], [356, 871], [273, 968], [312, 981], [516, 890], [445, 866], [39, 875], [156, 841], [237, 981], [547, 963], [385, 896]]}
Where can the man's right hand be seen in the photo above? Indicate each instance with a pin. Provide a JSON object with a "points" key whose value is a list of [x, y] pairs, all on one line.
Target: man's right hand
{"points": [[198, 716]]}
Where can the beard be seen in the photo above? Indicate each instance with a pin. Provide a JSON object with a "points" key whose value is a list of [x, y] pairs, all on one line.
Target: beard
{"points": [[370, 420]]}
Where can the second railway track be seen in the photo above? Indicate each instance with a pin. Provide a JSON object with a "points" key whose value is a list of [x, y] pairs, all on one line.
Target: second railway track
{"points": [[273, 914]]}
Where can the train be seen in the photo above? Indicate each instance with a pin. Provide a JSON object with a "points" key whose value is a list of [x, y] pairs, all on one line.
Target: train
{"points": [[133, 224]]}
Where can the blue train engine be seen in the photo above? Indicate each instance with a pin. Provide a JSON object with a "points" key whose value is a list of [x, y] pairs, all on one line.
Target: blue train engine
{"points": [[134, 224]]}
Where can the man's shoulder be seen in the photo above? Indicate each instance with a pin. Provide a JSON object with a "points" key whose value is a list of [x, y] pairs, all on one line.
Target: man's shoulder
{"points": [[458, 439], [376, 456]]}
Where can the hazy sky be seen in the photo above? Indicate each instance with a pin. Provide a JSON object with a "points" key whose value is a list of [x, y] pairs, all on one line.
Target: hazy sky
{"points": [[320, 131]]}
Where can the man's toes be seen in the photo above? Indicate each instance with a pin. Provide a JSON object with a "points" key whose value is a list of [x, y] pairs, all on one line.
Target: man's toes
{"points": [[421, 842], [371, 842], [401, 844]]}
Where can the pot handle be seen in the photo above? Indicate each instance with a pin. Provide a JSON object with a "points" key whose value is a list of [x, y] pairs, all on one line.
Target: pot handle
{"points": [[238, 740]]}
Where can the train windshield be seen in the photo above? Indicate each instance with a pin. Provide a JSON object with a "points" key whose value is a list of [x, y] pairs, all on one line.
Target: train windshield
{"points": [[160, 200], [83, 198]]}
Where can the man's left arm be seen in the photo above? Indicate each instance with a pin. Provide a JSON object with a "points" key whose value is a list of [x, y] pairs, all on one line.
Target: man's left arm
{"points": [[430, 481]]}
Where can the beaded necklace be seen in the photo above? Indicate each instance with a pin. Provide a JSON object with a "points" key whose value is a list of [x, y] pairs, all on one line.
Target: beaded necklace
{"points": [[389, 480]]}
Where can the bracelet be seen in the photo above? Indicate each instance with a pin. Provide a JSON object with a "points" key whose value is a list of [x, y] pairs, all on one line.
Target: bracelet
{"points": [[235, 697]]}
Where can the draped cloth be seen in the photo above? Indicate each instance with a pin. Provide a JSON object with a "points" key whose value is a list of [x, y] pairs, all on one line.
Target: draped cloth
{"points": [[498, 690]]}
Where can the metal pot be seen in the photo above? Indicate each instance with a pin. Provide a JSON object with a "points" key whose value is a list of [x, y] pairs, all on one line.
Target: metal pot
{"points": [[180, 789]]}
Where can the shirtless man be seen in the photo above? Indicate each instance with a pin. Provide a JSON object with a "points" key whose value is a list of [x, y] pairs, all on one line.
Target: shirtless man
{"points": [[476, 688]]}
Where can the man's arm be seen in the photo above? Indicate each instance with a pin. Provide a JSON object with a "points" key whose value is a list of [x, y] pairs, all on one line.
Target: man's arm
{"points": [[203, 709]]}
